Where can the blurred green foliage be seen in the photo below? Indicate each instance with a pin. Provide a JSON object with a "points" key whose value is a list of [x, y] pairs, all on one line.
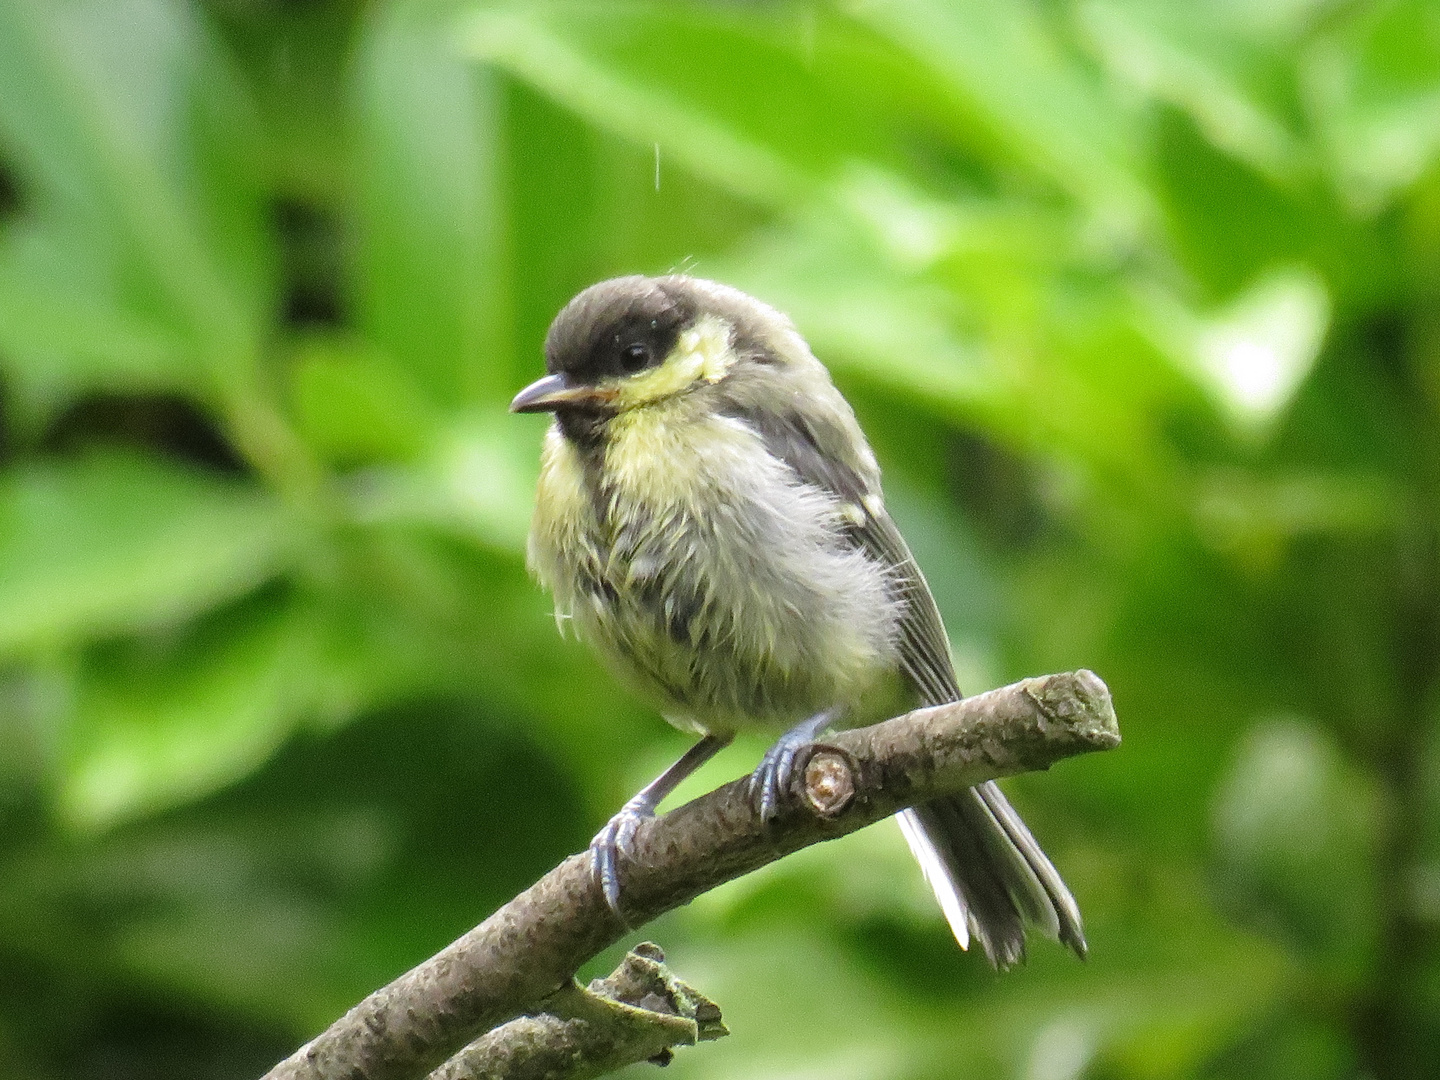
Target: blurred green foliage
{"points": [[1138, 299]]}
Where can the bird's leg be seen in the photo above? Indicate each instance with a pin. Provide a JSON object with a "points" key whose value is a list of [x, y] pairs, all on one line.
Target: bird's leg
{"points": [[615, 838], [772, 776]]}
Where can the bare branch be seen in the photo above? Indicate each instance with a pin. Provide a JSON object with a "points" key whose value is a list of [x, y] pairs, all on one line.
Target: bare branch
{"points": [[531, 947]]}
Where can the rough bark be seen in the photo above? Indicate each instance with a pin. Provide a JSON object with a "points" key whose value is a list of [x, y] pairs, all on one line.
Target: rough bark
{"points": [[529, 950]]}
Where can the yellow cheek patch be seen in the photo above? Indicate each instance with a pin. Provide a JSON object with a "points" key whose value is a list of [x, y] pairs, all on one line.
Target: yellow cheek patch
{"points": [[702, 352]]}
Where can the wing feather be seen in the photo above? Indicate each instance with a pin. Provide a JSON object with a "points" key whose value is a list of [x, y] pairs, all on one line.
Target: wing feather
{"points": [[984, 865], [829, 460]]}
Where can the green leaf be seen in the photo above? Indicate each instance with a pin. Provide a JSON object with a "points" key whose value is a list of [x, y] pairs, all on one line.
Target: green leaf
{"points": [[1257, 518], [476, 480], [354, 404], [1373, 87], [1008, 71], [1230, 225], [1224, 65], [128, 129], [151, 731], [750, 103], [430, 287], [60, 336], [109, 543], [1253, 355]]}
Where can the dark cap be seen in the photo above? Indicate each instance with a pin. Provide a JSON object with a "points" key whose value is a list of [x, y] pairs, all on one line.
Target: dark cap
{"points": [[618, 327]]}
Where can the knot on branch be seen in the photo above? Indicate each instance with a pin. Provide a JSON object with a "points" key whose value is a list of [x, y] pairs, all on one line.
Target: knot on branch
{"points": [[829, 779]]}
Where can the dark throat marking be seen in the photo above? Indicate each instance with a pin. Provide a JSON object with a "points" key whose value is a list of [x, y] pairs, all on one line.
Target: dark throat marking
{"points": [[585, 428], [586, 431]]}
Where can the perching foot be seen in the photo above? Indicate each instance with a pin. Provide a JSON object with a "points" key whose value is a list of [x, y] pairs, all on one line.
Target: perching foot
{"points": [[772, 776], [614, 842], [615, 839]]}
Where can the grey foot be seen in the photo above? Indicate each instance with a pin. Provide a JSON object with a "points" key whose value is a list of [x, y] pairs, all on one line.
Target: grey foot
{"points": [[614, 840], [771, 777], [610, 844]]}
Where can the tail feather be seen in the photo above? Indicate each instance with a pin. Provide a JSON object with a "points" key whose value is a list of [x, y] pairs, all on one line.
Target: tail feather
{"points": [[989, 874], [938, 875], [1062, 914]]}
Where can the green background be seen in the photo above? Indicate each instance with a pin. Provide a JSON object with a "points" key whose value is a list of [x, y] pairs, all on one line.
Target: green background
{"points": [[1139, 301]]}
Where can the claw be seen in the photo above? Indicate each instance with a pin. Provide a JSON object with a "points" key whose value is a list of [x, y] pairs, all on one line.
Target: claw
{"points": [[771, 778], [612, 842], [615, 838]]}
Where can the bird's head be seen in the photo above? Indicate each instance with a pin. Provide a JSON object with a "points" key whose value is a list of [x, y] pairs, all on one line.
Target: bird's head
{"points": [[632, 342]]}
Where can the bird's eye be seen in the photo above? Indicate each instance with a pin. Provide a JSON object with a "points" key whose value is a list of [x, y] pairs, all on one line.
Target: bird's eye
{"points": [[635, 357]]}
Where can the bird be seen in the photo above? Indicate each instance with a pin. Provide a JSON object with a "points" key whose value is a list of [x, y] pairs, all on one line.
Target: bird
{"points": [[709, 518]]}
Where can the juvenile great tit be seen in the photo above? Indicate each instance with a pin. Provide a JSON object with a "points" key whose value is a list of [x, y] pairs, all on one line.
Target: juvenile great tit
{"points": [[709, 518]]}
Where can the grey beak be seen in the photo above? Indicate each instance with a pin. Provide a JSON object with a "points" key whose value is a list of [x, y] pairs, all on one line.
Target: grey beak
{"points": [[543, 395], [557, 391]]}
